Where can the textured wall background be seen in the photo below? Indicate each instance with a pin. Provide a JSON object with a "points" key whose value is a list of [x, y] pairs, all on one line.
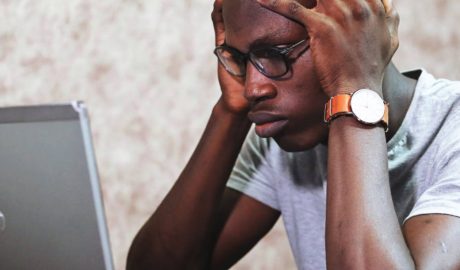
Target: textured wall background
{"points": [[147, 72]]}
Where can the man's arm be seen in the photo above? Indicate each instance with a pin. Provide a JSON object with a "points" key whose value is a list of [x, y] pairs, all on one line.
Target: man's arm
{"points": [[201, 224], [352, 41], [434, 238], [197, 225], [362, 229], [434, 241], [246, 222]]}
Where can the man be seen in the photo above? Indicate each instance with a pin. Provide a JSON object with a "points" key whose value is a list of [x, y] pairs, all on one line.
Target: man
{"points": [[360, 192]]}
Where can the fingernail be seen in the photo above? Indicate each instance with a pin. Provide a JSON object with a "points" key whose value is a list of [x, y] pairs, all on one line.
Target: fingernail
{"points": [[262, 1]]}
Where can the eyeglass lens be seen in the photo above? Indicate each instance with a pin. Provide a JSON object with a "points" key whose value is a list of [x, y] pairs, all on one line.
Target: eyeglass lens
{"points": [[272, 62], [269, 61], [235, 64]]}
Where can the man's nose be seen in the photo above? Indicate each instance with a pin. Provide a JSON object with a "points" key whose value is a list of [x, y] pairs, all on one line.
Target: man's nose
{"points": [[258, 87]]}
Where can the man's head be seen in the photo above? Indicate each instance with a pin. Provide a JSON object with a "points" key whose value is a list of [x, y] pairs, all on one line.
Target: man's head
{"points": [[294, 102]]}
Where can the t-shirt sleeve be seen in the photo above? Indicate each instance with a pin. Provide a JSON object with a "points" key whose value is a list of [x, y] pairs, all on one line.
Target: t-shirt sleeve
{"points": [[442, 196], [252, 173]]}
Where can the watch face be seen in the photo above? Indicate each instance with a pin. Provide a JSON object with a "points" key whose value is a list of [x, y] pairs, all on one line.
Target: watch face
{"points": [[367, 106]]}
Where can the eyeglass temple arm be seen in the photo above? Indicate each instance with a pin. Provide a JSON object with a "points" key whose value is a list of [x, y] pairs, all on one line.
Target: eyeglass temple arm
{"points": [[290, 48]]}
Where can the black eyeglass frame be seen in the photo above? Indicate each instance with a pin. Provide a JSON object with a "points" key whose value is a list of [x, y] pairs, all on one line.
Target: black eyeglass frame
{"points": [[247, 56]]}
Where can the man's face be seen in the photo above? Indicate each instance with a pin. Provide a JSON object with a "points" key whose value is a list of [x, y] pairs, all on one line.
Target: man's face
{"points": [[296, 97]]}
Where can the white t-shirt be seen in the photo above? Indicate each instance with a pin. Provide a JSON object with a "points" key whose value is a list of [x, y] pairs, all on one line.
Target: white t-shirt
{"points": [[423, 159]]}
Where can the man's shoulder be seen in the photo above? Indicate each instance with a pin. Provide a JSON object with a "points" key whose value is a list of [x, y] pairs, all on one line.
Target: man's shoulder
{"points": [[436, 102], [434, 120], [438, 88]]}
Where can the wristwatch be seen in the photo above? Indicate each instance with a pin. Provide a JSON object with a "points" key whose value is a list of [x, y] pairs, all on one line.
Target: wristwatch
{"points": [[364, 104]]}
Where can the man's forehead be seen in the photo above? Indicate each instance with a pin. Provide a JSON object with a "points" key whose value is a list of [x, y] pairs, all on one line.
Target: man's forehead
{"points": [[238, 14], [230, 6], [250, 22], [249, 3]]}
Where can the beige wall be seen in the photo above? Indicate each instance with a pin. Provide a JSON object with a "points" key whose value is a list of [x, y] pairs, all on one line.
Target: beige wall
{"points": [[146, 70]]}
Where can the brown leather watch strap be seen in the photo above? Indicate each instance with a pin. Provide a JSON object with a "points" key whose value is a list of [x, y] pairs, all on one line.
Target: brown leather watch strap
{"points": [[336, 106], [340, 105]]}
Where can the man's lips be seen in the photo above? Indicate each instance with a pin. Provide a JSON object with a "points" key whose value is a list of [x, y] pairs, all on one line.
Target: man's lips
{"points": [[267, 124]]}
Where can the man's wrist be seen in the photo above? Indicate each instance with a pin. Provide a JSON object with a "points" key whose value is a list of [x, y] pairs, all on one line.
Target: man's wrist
{"points": [[366, 106], [344, 122], [352, 86]]}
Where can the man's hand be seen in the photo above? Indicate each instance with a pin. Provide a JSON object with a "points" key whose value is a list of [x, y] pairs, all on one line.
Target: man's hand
{"points": [[232, 87], [352, 41]]}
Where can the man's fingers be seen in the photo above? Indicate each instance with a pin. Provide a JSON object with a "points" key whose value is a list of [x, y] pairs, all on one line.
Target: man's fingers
{"points": [[392, 17], [393, 24], [388, 4], [218, 22], [293, 10], [216, 14]]}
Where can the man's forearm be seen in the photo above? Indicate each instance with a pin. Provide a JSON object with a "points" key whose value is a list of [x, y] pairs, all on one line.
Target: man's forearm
{"points": [[362, 230], [181, 225]]}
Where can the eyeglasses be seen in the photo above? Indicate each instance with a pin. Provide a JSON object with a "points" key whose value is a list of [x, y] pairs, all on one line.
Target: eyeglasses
{"points": [[273, 62]]}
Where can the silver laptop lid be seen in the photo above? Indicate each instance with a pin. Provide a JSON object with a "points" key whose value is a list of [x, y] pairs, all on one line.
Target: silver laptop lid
{"points": [[51, 211]]}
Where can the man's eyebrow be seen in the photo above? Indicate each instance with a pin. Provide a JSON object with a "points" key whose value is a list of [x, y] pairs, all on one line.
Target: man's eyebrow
{"points": [[263, 41]]}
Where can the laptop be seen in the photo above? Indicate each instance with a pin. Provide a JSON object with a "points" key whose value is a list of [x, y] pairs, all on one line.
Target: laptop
{"points": [[51, 209]]}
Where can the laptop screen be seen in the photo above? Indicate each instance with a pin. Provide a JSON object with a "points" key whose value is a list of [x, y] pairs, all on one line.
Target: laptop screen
{"points": [[51, 212]]}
